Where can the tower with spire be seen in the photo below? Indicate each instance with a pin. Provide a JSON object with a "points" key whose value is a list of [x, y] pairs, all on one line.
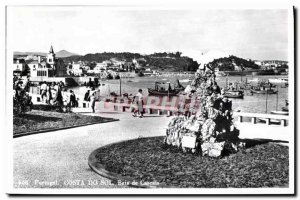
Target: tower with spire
{"points": [[51, 58]]}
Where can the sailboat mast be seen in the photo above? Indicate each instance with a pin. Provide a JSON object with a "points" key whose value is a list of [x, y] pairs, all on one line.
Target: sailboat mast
{"points": [[226, 82], [120, 87], [277, 99], [267, 102]]}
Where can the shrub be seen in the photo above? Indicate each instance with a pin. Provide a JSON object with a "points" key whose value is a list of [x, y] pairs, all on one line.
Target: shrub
{"points": [[22, 102]]}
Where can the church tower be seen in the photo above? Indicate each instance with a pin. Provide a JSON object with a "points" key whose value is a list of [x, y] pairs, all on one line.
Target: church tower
{"points": [[51, 58]]}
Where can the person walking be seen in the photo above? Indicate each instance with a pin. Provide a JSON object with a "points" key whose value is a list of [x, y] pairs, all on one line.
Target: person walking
{"points": [[72, 99], [138, 98], [58, 97], [93, 98], [44, 91], [87, 95], [48, 93]]}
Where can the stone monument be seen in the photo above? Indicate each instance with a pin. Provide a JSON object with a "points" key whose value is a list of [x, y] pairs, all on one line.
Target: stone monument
{"points": [[209, 130]]}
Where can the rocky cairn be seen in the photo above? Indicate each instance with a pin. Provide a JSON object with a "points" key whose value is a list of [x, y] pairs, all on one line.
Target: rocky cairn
{"points": [[209, 130]]}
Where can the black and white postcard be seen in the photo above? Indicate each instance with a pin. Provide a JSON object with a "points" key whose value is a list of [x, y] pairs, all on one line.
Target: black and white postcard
{"points": [[106, 99]]}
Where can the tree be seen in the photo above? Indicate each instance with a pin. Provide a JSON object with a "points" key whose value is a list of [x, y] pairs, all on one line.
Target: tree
{"points": [[178, 54], [21, 100]]}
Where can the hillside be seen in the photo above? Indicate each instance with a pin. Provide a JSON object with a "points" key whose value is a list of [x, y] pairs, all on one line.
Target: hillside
{"points": [[229, 63], [64, 53], [19, 53], [59, 54], [157, 61]]}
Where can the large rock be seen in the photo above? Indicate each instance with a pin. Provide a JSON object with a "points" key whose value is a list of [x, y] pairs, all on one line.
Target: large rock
{"points": [[211, 125]]}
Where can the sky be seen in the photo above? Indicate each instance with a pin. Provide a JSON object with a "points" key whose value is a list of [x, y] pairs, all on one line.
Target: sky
{"points": [[256, 34]]}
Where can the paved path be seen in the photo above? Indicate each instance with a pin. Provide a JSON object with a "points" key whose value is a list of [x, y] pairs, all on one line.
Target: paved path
{"points": [[62, 155]]}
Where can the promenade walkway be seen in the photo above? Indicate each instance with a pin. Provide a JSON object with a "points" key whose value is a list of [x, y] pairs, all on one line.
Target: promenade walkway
{"points": [[62, 155]]}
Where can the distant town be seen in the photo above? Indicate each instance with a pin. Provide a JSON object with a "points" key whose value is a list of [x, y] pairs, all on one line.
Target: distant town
{"points": [[38, 66]]}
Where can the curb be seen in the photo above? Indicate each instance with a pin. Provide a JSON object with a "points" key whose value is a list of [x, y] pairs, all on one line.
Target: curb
{"points": [[58, 129], [114, 177]]}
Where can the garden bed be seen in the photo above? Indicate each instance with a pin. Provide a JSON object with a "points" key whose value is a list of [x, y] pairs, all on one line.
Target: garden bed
{"points": [[37, 120], [149, 160]]}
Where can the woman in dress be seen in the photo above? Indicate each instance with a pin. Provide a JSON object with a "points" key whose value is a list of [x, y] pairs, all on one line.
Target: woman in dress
{"points": [[139, 101]]}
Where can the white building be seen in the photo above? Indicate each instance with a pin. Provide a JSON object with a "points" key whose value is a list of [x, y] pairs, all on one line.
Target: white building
{"points": [[39, 68], [101, 66], [19, 65], [46, 67]]}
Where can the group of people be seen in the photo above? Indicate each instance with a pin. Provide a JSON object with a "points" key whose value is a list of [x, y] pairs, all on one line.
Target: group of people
{"points": [[56, 94], [91, 96]]}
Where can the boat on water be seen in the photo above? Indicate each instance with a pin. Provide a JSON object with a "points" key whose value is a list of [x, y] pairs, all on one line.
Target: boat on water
{"points": [[279, 80], [255, 80], [283, 111], [161, 90], [264, 88], [238, 94], [185, 80], [263, 91], [279, 112]]}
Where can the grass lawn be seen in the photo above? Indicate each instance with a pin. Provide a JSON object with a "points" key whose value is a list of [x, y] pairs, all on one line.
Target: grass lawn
{"points": [[148, 159], [37, 120]]}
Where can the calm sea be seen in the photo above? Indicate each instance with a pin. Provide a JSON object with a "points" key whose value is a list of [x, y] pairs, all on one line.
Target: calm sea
{"points": [[256, 103]]}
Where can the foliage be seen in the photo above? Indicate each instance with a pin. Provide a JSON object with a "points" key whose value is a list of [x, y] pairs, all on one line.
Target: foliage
{"points": [[227, 63], [38, 120], [157, 61], [147, 159], [21, 103]]}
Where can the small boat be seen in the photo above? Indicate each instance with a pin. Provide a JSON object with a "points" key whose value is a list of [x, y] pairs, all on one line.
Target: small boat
{"points": [[234, 94], [185, 80], [278, 80], [255, 80], [278, 112], [266, 91], [160, 90]]}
